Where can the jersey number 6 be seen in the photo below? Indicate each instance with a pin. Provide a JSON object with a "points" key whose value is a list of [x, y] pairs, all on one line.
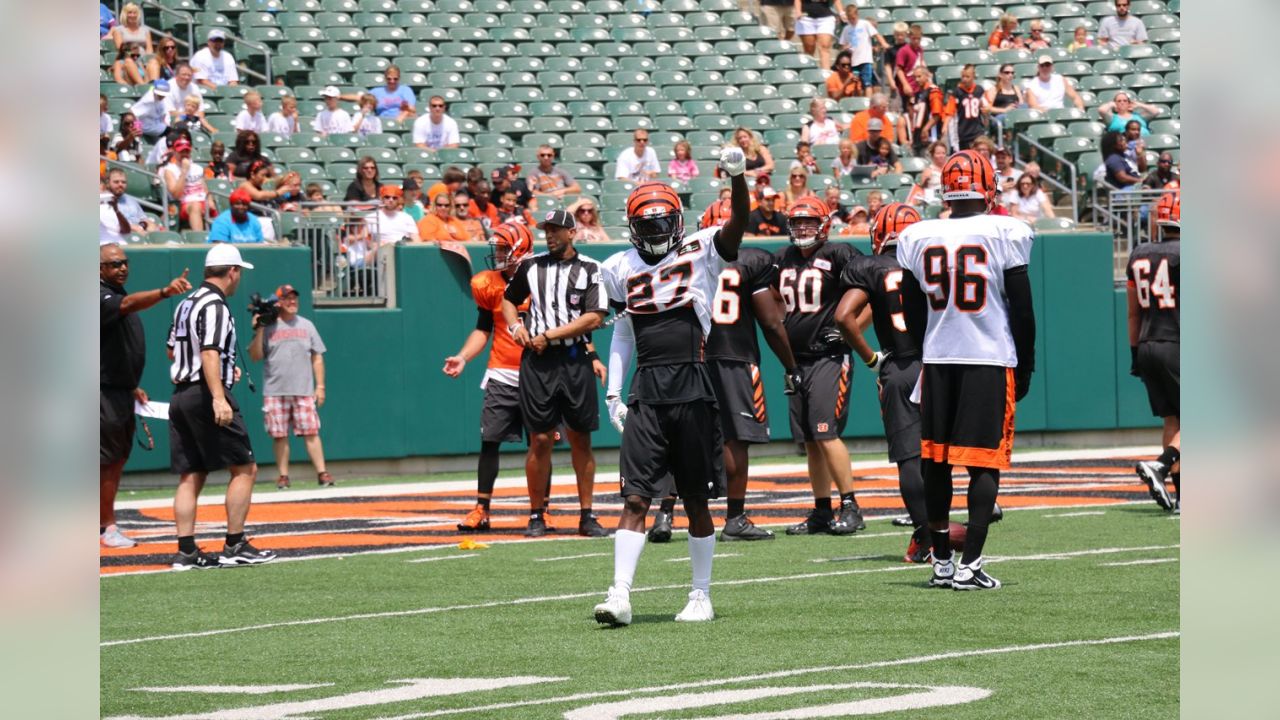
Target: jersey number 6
{"points": [[969, 282]]}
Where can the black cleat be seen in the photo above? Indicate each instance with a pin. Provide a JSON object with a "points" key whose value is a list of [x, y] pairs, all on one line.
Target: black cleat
{"points": [[918, 550], [198, 560], [849, 521], [537, 527], [661, 530], [1153, 474], [817, 523], [741, 528], [590, 527], [243, 553]]}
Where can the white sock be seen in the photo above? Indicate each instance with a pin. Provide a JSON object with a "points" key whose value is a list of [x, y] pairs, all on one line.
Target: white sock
{"points": [[701, 549], [627, 546]]}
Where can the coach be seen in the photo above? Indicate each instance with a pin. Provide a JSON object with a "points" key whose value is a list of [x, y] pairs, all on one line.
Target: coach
{"points": [[206, 431], [121, 357], [566, 302]]}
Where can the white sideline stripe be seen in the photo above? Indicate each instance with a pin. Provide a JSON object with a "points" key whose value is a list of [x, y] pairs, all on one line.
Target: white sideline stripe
{"points": [[446, 557], [594, 593], [1148, 561], [231, 689], [341, 492], [665, 690], [1077, 514], [851, 558], [572, 557], [717, 555]]}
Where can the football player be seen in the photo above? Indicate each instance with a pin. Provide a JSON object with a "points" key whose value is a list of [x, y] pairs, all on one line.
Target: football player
{"points": [[809, 281], [875, 279], [970, 273], [1154, 282], [664, 285]]}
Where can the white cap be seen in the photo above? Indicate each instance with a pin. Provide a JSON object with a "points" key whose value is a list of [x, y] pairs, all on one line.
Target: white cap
{"points": [[330, 91], [225, 254], [1044, 60], [216, 34], [768, 192]]}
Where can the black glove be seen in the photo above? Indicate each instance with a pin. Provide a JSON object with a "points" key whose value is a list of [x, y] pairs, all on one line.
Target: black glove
{"points": [[792, 383], [830, 339], [1021, 383], [1133, 360]]}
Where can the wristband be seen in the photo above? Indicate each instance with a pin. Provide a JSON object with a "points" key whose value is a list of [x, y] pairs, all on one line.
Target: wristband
{"points": [[593, 355], [163, 296]]}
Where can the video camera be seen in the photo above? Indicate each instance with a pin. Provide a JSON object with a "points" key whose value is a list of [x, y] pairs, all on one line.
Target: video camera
{"points": [[266, 309]]}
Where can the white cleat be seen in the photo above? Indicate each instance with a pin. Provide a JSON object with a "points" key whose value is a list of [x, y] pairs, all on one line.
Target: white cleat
{"points": [[615, 610], [944, 573], [698, 609], [113, 538]]}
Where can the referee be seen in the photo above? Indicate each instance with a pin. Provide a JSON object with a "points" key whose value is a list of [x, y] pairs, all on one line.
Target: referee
{"points": [[206, 431], [566, 302]]}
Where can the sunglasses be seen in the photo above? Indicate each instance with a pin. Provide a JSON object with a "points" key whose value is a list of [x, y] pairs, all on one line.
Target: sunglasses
{"points": [[442, 205], [642, 139], [115, 263], [437, 105], [459, 205]]}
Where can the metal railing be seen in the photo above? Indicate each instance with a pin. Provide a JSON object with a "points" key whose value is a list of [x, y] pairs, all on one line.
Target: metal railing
{"points": [[1128, 215], [1070, 188], [349, 265], [166, 198], [190, 44]]}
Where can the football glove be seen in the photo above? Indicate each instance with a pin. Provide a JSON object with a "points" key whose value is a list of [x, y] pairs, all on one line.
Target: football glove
{"points": [[792, 383], [1133, 361], [617, 411], [877, 361], [733, 161], [1021, 383]]}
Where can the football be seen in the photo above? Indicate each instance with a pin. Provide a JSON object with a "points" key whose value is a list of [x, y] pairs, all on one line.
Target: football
{"points": [[957, 532]]}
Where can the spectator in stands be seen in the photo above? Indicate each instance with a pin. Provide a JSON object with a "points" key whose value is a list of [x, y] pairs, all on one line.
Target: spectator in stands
{"points": [[366, 122], [214, 67], [1121, 29], [284, 122], [435, 130], [1006, 174], [482, 208], [930, 180], [845, 161], [587, 216], [759, 159], [440, 225], [890, 70], [450, 182], [844, 82], [251, 117], [412, 189], [639, 162], [1006, 35], [475, 177], [797, 187], [805, 159], [218, 168], [821, 129], [1164, 173], [395, 101], [113, 227], [180, 88], [393, 224], [780, 15], [149, 110], [966, 113], [117, 183], [1004, 96], [1120, 171], [928, 110], [983, 144], [366, 185], [906, 60], [879, 110], [127, 67], [1080, 39], [258, 176], [1027, 201], [509, 209], [1123, 109], [506, 178], [869, 148], [816, 26], [106, 20], [332, 119], [105, 125], [130, 30], [858, 223], [247, 151], [1037, 40], [766, 220], [1032, 170], [547, 179], [858, 40], [315, 195], [472, 229], [193, 119], [1048, 90], [185, 183], [832, 197], [875, 201], [237, 226], [682, 167], [1135, 146], [127, 144], [885, 160], [164, 64]]}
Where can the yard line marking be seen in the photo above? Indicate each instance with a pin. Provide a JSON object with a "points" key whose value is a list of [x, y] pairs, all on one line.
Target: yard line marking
{"points": [[851, 558], [1148, 561], [572, 557], [579, 595], [231, 689], [1077, 514], [717, 555], [920, 659], [446, 557]]}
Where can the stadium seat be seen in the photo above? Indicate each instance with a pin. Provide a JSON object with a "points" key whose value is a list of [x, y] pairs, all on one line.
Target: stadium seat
{"points": [[1055, 223]]}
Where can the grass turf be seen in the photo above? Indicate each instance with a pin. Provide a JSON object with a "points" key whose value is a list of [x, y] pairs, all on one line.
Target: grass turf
{"points": [[776, 611]]}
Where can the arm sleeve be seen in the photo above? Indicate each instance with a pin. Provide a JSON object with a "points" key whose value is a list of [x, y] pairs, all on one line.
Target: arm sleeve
{"points": [[1022, 317], [110, 306], [621, 348], [853, 277], [209, 325], [317, 343], [614, 293], [484, 320], [596, 298]]}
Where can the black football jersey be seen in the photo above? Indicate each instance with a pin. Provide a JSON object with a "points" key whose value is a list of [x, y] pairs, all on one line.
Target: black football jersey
{"points": [[881, 277], [1154, 275], [733, 319], [810, 288], [968, 111]]}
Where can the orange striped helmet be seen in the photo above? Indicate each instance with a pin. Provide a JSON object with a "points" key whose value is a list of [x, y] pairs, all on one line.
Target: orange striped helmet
{"points": [[809, 221], [1169, 209], [888, 222], [655, 218], [968, 175], [509, 245], [717, 214]]}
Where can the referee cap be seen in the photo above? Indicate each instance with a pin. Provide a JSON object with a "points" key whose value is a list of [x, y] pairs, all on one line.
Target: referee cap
{"points": [[225, 254], [557, 218]]}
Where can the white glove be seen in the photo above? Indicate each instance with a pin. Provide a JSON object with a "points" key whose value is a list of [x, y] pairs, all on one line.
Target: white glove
{"points": [[876, 361], [733, 161], [617, 411]]}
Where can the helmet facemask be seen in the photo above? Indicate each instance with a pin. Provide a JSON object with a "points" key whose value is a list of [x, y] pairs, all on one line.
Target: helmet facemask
{"points": [[807, 231], [656, 235]]}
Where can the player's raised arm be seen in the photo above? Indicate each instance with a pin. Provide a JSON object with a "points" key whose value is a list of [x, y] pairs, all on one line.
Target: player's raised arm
{"points": [[734, 163]]}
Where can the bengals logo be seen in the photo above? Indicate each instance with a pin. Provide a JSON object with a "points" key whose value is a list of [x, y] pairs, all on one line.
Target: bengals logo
{"points": [[822, 427]]}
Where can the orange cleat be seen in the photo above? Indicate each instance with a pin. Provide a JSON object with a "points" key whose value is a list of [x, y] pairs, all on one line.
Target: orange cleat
{"points": [[476, 521]]}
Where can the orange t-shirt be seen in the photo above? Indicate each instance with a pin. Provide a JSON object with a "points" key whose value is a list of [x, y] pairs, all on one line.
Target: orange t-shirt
{"points": [[431, 227], [490, 211], [838, 89], [858, 127], [487, 288]]}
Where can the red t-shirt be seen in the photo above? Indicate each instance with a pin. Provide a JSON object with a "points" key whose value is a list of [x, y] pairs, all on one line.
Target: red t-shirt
{"points": [[906, 60]]}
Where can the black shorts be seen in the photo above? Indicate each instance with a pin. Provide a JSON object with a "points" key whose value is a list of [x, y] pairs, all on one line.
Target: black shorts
{"points": [[558, 387], [901, 417], [966, 415], [740, 397], [196, 442], [1159, 366], [500, 418], [820, 412], [115, 425], [678, 444]]}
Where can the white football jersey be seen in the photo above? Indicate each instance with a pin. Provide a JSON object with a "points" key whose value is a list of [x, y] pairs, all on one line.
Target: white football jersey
{"points": [[687, 275], [960, 266]]}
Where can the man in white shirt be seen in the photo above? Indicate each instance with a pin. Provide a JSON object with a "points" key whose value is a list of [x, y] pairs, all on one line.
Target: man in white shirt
{"points": [[214, 67], [435, 130], [180, 87], [149, 110], [1122, 29], [332, 119], [639, 162], [1047, 90], [251, 117], [392, 223]]}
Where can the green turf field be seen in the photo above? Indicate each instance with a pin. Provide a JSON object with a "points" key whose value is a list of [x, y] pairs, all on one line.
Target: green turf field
{"points": [[819, 626]]}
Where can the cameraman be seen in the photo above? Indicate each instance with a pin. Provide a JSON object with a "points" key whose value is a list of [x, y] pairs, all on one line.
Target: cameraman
{"points": [[206, 431], [294, 364]]}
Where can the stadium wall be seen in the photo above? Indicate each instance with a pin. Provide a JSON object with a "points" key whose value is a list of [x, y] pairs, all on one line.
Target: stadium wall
{"points": [[388, 399]]}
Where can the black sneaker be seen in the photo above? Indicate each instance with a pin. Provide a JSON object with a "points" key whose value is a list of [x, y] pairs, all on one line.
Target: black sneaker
{"points": [[817, 523], [590, 527], [198, 560], [849, 521], [972, 577], [661, 530], [537, 527], [1153, 474], [741, 528], [243, 553]]}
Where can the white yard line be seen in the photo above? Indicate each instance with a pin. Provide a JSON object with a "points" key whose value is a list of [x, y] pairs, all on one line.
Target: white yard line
{"points": [[1077, 514], [573, 557], [717, 555], [445, 557], [1148, 561]]}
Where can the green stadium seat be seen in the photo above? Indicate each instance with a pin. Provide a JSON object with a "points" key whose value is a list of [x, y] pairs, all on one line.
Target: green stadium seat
{"points": [[1099, 82], [1162, 141], [195, 237], [1142, 80], [1158, 95]]}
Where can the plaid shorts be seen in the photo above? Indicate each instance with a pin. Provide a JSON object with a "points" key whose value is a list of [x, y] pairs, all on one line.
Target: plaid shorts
{"points": [[280, 411]]}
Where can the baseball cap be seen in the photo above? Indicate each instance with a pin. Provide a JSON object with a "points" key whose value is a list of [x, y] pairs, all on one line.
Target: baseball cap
{"points": [[241, 195], [858, 209], [390, 191], [286, 289], [768, 192], [160, 87], [557, 218], [181, 144], [225, 254], [1002, 151], [330, 91], [216, 34], [1044, 60], [875, 124]]}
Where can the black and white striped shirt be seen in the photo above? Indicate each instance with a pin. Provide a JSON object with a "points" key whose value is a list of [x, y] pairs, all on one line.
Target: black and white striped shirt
{"points": [[202, 321], [558, 292]]}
